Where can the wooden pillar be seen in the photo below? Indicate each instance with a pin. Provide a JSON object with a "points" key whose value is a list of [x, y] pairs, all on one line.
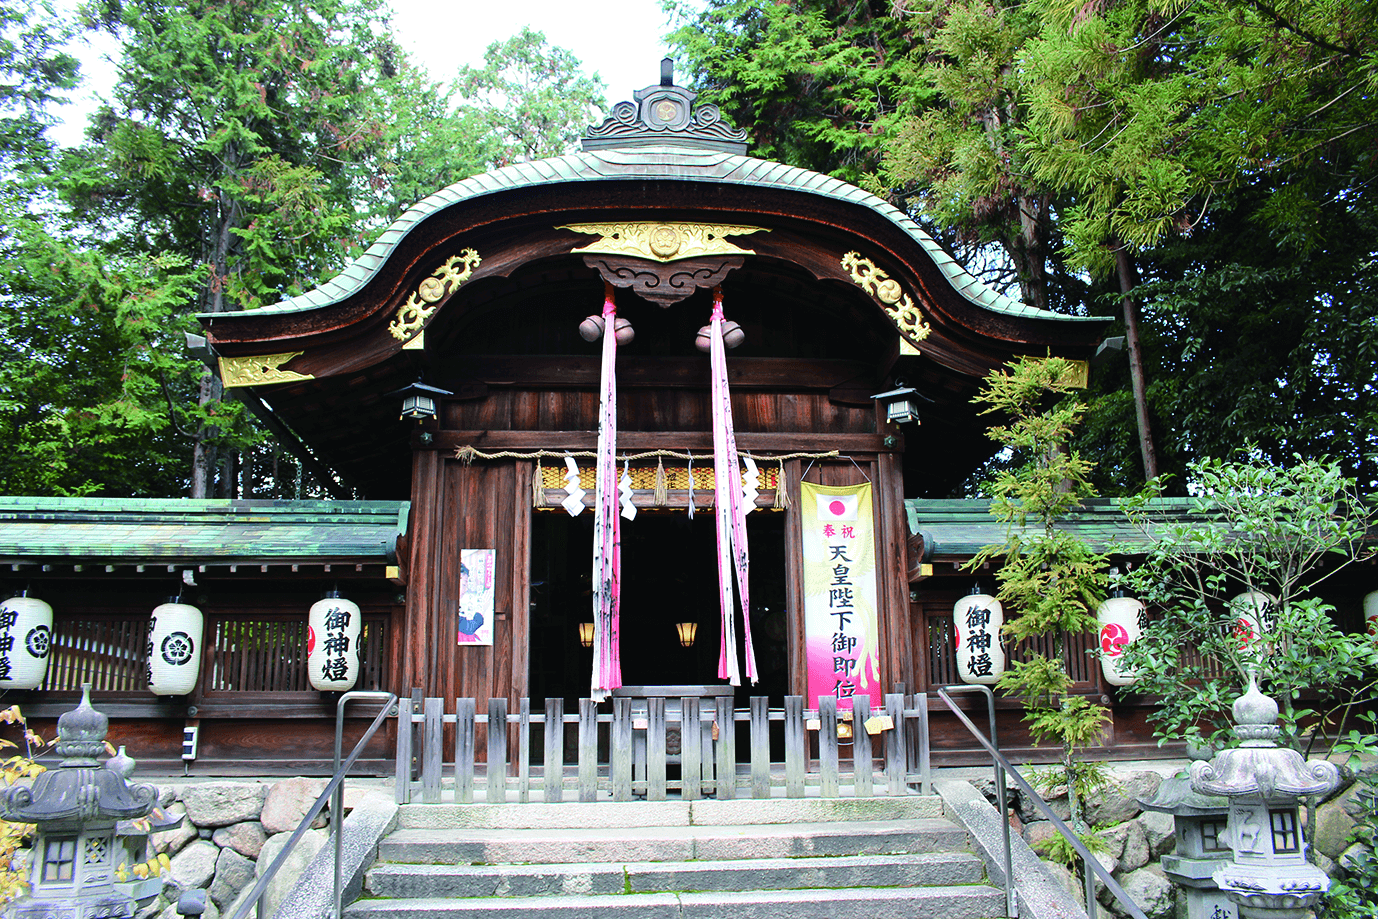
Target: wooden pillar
{"points": [[892, 594]]}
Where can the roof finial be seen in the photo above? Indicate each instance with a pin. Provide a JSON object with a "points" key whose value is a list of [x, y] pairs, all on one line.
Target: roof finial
{"points": [[667, 71]]}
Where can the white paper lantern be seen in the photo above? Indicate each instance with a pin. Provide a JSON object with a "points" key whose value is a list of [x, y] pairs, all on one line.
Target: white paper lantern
{"points": [[174, 648], [26, 632], [1121, 622], [976, 623], [332, 643], [1371, 612], [1255, 614]]}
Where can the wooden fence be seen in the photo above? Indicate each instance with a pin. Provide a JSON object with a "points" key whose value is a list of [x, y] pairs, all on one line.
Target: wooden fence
{"points": [[884, 752]]}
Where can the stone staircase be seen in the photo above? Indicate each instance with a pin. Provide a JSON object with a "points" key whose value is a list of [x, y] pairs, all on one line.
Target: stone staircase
{"points": [[858, 858]]}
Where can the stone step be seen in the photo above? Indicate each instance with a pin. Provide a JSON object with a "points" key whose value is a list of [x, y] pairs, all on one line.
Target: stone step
{"points": [[671, 844], [963, 902], [573, 814], [437, 881]]}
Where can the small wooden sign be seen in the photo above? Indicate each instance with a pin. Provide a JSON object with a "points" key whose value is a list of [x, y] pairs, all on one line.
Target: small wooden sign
{"points": [[878, 723]]}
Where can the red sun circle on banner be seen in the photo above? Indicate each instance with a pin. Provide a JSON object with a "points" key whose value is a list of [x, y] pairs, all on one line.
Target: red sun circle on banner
{"points": [[1113, 638], [310, 639], [837, 508]]}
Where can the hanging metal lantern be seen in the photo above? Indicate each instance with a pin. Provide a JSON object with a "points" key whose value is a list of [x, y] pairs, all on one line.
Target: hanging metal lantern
{"points": [[1121, 621], [1371, 612], [1255, 614], [26, 633], [332, 643], [174, 648], [976, 623]]}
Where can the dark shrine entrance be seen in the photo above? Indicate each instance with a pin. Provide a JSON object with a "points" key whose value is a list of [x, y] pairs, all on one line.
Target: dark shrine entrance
{"points": [[669, 575]]}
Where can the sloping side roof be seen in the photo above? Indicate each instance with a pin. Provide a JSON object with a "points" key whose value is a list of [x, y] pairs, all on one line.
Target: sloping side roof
{"points": [[169, 530], [666, 162], [959, 528]]}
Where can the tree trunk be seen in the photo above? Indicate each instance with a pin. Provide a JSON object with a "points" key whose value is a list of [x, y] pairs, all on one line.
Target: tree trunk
{"points": [[1129, 279], [203, 461]]}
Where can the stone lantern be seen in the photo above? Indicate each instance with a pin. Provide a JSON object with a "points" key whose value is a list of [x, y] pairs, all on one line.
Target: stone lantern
{"points": [[1199, 821], [1268, 876], [76, 808]]}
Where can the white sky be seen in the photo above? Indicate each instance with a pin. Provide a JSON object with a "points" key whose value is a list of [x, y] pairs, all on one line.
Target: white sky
{"points": [[620, 40]]}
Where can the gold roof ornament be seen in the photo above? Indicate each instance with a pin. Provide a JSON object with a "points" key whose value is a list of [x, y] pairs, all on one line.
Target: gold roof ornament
{"points": [[662, 242], [906, 316], [259, 370], [445, 280]]}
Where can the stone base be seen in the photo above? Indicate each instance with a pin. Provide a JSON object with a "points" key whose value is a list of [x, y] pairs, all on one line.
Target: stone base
{"points": [[106, 906]]}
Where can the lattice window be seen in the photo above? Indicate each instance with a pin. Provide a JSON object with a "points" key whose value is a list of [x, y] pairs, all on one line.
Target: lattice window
{"points": [[106, 651], [268, 654]]}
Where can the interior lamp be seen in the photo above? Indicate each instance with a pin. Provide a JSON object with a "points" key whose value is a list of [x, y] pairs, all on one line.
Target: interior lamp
{"points": [[686, 632], [586, 634]]}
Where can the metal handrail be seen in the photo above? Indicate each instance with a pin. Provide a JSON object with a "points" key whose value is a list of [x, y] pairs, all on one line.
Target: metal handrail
{"points": [[1011, 907], [335, 788], [1002, 764]]}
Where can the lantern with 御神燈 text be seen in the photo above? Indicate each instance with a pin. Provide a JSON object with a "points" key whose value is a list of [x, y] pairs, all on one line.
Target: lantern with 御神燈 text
{"points": [[1371, 612], [976, 623], [1121, 621], [332, 643], [26, 630], [174, 648]]}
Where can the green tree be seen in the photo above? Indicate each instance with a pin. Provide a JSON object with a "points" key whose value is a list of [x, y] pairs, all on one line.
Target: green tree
{"points": [[245, 152], [811, 81], [1049, 579], [1266, 530], [530, 99]]}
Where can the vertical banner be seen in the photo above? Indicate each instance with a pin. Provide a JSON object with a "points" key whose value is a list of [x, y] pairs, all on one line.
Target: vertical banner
{"points": [[476, 575], [841, 635]]}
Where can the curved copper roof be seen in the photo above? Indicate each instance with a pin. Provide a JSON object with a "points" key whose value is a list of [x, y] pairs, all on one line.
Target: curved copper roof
{"points": [[670, 162]]}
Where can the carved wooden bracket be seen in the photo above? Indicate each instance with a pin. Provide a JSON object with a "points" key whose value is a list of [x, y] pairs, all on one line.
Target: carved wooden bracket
{"points": [[663, 283]]}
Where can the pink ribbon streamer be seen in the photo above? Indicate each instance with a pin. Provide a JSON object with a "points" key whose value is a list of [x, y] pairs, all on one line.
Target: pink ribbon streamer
{"points": [[731, 519], [607, 529]]}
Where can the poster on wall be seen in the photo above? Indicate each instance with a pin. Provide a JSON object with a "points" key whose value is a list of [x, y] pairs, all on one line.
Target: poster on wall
{"points": [[841, 637], [476, 577]]}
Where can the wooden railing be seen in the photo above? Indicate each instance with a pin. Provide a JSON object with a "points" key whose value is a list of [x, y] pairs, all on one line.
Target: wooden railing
{"points": [[886, 752]]}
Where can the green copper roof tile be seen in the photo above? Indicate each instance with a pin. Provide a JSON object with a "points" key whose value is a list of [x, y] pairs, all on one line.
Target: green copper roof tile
{"points": [[166, 531], [959, 528], [654, 162]]}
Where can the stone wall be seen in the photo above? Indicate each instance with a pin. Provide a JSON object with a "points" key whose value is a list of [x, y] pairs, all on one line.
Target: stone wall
{"points": [[1138, 839], [232, 831]]}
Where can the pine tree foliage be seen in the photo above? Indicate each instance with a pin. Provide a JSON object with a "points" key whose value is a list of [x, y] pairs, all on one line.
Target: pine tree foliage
{"points": [[812, 81], [1050, 580], [245, 152]]}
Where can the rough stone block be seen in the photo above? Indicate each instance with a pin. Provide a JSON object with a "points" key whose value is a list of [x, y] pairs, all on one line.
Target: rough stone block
{"points": [[1151, 891], [233, 873], [246, 838], [216, 804], [194, 866], [1057, 800], [1117, 802], [287, 802], [1160, 830], [1333, 827], [172, 841], [287, 875], [1068, 880], [1035, 834], [1350, 859], [1129, 843]]}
